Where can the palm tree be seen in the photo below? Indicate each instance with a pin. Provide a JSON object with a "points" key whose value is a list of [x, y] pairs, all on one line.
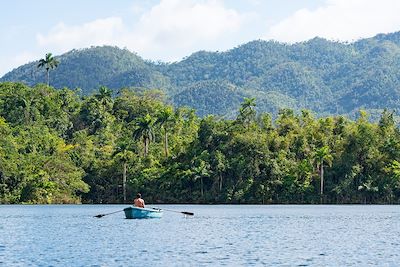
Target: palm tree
{"points": [[247, 112], [104, 96], [323, 155], [220, 167], [144, 131], [122, 155], [200, 172], [165, 118], [49, 62]]}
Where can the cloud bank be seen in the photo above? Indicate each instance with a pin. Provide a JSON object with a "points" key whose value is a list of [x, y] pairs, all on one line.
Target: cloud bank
{"points": [[168, 31]]}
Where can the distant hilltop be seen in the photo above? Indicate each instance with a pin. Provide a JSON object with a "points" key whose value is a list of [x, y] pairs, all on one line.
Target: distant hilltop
{"points": [[324, 76]]}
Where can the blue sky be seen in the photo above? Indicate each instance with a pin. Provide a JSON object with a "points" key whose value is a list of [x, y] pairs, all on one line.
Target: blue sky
{"points": [[168, 30]]}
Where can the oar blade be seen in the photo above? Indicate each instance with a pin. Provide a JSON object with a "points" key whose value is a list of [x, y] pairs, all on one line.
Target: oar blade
{"points": [[102, 215], [182, 212]]}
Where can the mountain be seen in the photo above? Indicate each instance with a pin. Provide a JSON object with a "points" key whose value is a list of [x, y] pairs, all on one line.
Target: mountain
{"points": [[325, 76], [91, 68]]}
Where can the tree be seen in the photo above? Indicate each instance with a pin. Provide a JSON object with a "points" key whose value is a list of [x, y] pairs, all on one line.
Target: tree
{"points": [[247, 113], [322, 155], [104, 96], [49, 62], [123, 155], [201, 170], [144, 131], [220, 166], [165, 118]]}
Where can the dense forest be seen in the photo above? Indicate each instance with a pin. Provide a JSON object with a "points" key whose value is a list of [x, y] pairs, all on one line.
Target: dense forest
{"points": [[327, 77], [59, 147]]}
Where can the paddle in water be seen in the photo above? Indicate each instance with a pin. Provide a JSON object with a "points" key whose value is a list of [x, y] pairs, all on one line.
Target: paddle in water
{"points": [[102, 215], [183, 212]]}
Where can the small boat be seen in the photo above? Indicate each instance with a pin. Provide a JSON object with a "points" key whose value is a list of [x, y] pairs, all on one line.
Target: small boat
{"points": [[142, 213]]}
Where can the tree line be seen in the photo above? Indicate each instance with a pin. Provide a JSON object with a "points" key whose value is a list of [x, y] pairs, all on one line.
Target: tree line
{"points": [[59, 147]]}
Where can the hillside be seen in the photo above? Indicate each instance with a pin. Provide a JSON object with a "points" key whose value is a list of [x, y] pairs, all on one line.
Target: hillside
{"points": [[324, 76], [91, 68]]}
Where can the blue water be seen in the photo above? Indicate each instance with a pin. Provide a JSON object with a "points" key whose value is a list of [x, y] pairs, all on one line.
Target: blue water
{"points": [[68, 235]]}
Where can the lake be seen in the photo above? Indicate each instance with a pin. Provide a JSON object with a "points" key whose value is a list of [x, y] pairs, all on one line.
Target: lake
{"points": [[218, 235]]}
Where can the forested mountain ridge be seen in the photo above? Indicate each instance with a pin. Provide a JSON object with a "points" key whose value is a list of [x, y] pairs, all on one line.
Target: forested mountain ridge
{"points": [[324, 76], [88, 69]]}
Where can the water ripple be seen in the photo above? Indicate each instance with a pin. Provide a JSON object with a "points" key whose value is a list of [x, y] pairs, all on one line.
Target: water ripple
{"points": [[215, 236]]}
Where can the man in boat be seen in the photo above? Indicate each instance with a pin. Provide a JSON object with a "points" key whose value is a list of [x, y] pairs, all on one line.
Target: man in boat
{"points": [[138, 202]]}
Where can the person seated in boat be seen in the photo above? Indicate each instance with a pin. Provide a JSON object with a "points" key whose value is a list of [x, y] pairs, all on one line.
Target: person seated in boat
{"points": [[138, 202]]}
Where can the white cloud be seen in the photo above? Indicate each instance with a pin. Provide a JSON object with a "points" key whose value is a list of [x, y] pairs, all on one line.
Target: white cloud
{"points": [[345, 20], [97, 32], [188, 20], [168, 31], [175, 28]]}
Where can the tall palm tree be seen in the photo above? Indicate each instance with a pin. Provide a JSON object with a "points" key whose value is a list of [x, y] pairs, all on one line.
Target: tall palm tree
{"points": [[122, 155], [49, 62], [220, 162], [200, 172], [165, 118], [323, 155], [144, 131]]}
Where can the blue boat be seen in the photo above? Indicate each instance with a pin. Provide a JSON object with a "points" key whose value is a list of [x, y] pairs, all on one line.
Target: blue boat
{"points": [[142, 213]]}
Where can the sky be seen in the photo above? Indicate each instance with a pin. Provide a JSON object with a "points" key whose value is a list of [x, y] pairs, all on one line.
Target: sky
{"points": [[168, 30]]}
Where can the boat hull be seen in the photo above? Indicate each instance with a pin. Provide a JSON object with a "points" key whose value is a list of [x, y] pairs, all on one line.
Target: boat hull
{"points": [[142, 213]]}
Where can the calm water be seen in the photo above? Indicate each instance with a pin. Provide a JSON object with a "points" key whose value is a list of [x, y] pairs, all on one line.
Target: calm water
{"points": [[216, 236]]}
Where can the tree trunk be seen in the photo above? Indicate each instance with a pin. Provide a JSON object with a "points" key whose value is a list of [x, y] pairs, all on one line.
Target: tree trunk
{"points": [[166, 142], [220, 183], [124, 181], [321, 173], [48, 77], [201, 188]]}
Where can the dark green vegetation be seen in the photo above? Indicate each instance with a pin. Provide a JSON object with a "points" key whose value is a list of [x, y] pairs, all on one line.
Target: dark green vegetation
{"points": [[56, 147], [323, 76]]}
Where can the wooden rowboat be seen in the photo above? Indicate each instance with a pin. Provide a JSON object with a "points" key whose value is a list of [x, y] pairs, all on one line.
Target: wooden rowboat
{"points": [[142, 213]]}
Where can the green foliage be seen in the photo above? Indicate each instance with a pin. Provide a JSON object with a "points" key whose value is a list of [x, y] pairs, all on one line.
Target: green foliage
{"points": [[58, 147], [144, 131], [324, 76]]}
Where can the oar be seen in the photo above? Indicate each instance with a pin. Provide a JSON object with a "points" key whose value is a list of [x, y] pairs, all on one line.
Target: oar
{"points": [[183, 212], [102, 215]]}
